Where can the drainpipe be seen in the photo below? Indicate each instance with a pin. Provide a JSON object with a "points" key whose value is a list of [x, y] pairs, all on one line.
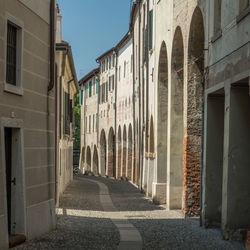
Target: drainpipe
{"points": [[52, 44], [56, 122], [147, 75]]}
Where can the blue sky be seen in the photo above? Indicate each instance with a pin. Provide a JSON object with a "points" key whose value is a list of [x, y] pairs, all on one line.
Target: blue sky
{"points": [[93, 27]]}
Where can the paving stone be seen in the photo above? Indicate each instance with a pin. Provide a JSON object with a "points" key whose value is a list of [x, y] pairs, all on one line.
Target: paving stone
{"points": [[83, 224]]}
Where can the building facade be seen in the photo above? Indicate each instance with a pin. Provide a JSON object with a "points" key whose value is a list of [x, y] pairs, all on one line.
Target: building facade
{"points": [[226, 188], [124, 108], [89, 99], [66, 88], [190, 106], [27, 127]]}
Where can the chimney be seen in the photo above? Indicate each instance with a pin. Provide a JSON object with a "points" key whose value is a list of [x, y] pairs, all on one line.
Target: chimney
{"points": [[58, 25]]}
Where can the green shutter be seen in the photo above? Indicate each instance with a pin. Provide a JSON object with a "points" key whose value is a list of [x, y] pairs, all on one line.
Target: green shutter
{"points": [[150, 29], [90, 88]]}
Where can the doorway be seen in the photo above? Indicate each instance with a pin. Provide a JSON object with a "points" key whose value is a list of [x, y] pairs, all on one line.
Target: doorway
{"points": [[14, 178]]}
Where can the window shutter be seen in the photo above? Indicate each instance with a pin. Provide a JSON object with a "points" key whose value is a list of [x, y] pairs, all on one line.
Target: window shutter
{"points": [[96, 85], [80, 97]]}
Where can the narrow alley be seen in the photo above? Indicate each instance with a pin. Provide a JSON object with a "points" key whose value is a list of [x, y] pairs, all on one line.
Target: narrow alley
{"points": [[103, 213]]}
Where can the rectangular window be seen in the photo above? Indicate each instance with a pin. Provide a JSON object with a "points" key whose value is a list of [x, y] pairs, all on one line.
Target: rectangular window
{"points": [[113, 82], [90, 88], [125, 63], [96, 120], [11, 62], [94, 87], [119, 73], [109, 62], [243, 4], [103, 93], [131, 64], [86, 91], [150, 29], [217, 16], [80, 97], [93, 123], [110, 83], [107, 91], [86, 127], [90, 124]]}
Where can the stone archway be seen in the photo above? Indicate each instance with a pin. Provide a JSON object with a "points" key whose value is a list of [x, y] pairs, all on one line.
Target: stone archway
{"points": [[124, 152], [111, 154], [175, 179], [130, 152], [119, 158], [88, 160], [95, 162], [103, 158], [194, 113]]}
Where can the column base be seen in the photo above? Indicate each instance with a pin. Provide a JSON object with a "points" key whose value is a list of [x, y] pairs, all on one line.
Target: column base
{"points": [[159, 193]]}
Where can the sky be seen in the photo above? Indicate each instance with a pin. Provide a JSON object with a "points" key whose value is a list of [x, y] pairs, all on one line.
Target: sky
{"points": [[92, 27]]}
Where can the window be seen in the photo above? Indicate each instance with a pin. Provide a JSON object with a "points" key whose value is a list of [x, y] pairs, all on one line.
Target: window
{"points": [[90, 124], [86, 129], [125, 63], [107, 91], [67, 113], [86, 91], [11, 54], [106, 63], [109, 62], [243, 4], [94, 88], [113, 60], [93, 123], [150, 29], [90, 88], [96, 120], [110, 83], [13, 72], [97, 83], [119, 73], [217, 16], [131, 64], [113, 82], [103, 93]]}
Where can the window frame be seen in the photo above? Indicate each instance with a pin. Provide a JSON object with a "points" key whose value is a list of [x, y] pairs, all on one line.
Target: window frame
{"points": [[19, 24]]}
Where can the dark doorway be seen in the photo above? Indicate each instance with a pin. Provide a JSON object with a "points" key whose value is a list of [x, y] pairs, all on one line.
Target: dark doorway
{"points": [[8, 146]]}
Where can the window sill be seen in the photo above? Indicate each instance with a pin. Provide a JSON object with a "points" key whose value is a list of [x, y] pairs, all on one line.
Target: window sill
{"points": [[243, 14], [16, 90], [216, 36]]}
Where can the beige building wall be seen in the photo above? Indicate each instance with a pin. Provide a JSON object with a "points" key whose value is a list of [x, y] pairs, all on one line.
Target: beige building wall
{"points": [[29, 111]]}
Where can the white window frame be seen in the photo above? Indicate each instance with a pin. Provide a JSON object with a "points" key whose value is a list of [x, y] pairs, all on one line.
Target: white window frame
{"points": [[18, 88]]}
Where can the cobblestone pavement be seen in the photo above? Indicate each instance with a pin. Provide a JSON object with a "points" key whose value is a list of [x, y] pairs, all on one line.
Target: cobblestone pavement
{"points": [[83, 224]]}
